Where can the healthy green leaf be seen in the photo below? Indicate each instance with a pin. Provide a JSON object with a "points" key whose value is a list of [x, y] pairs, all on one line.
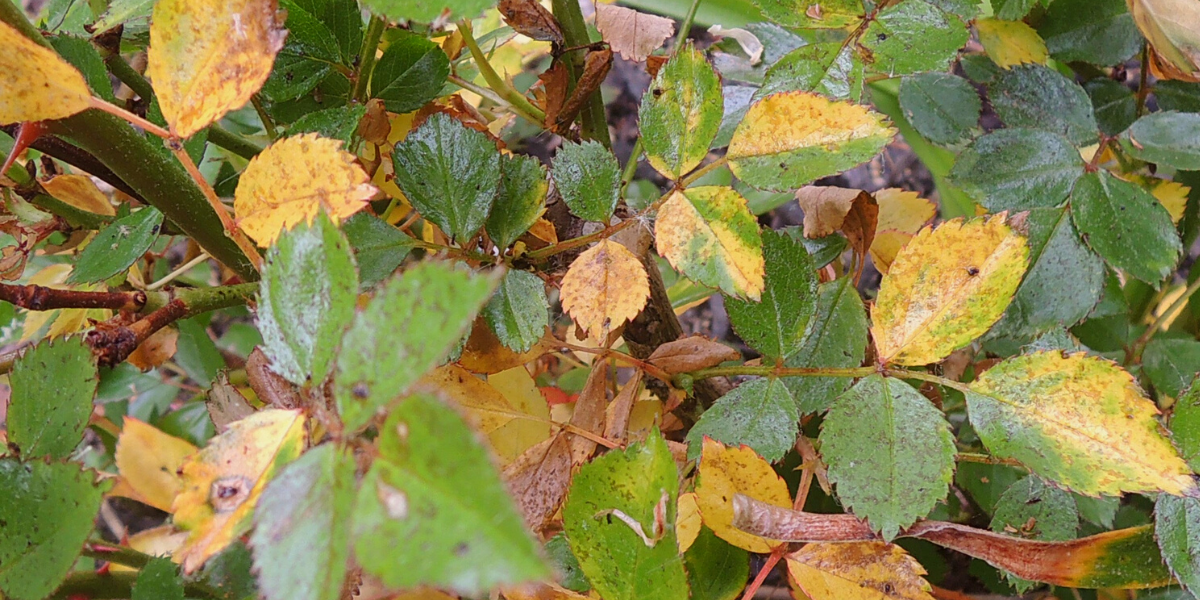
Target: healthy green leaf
{"points": [[1182, 96], [412, 323], [83, 56], [1037, 97], [301, 536], [942, 107], [520, 199], [197, 354], [1018, 169], [410, 73], [760, 414], [837, 339], [681, 113], [716, 569], [833, 14], [117, 246], [433, 486], [519, 311], [907, 466], [964, 9], [307, 57], [53, 384], [1185, 425], [379, 248], [986, 483], [589, 179], [1032, 509], [831, 69], [158, 580], [566, 565], [913, 36], [1063, 282], [1177, 527], [424, 11], [1114, 104], [609, 498], [1167, 138], [48, 512], [344, 20], [1100, 32], [340, 123], [1126, 226], [449, 173], [1012, 10], [306, 300], [823, 250], [1171, 364], [122, 11], [775, 325]]}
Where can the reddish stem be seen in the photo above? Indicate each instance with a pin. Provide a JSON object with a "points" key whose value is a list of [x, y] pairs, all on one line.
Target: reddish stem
{"points": [[37, 297], [772, 560]]}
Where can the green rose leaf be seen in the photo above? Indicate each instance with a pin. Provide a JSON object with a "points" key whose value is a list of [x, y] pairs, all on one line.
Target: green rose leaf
{"points": [[117, 246], [1126, 226], [519, 311], [53, 384], [759, 413], [681, 113], [588, 178], [1018, 169]]}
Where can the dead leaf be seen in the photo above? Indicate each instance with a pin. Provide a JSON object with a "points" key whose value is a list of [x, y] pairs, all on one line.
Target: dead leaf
{"points": [[691, 354], [617, 417], [589, 412], [825, 208], [225, 403], [749, 42], [555, 83], [530, 18], [538, 479], [541, 591], [632, 34], [485, 354], [375, 127], [157, 349], [270, 387], [596, 65], [533, 425]]}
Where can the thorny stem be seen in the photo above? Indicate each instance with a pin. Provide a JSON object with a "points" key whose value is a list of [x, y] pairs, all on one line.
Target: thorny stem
{"points": [[366, 63], [1176, 306], [592, 118], [267, 122], [231, 229], [497, 83]]}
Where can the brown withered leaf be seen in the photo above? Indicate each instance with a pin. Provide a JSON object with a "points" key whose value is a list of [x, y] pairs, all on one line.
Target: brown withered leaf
{"points": [[589, 412], [556, 83], [859, 227], [538, 479], [270, 387], [632, 34], [616, 427], [226, 404], [530, 18], [374, 127], [156, 350], [653, 64], [825, 208], [690, 354], [484, 354], [596, 65]]}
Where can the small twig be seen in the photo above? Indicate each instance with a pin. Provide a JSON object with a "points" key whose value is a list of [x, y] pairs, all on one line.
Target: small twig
{"points": [[112, 345], [605, 353], [366, 63], [985, 459], [1140, 344], [702, 171], [495, 98], [1143, 80], [133, 119], [37, 297], [173, 275], [494, 80]]}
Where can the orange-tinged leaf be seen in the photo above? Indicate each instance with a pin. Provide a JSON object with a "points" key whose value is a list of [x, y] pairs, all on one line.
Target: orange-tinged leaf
{"points": [[1011, 43], [222, 482], [38, 85], [156, 350], [687, 521], [946, 287], [79, 191], [903, 210], [886, 246], [485, 406], [727, 471], [295, 179], [208, 57], [605, 286], [148, 460], [709, 235], [857, 571]]}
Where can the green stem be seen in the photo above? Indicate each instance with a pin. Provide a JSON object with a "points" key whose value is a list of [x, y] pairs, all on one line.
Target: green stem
{"points": [[267, 122], [233, 142], [494, 97], [495, 81], [592, 119], [202, 300], [770, 371], [118, 555], [702, 171], [1176, 306], [366, 60], [1144, 78], [686, 26], [986, 459]]}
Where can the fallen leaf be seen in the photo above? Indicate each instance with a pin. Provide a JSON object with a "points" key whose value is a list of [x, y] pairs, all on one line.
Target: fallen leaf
{"points": [[605, 287], [530, 18], [148, 460], [538, 480], [79, 191], [157, 349], [709, 235], [691, 353], [632, 34], [208, 57], [857, 571], [222, 482], [293, 180], [38, 84], [725, 472]]}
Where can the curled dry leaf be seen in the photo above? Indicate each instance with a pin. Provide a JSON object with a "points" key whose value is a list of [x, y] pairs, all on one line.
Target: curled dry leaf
{"points": [[148, 460], [605, 287], [157, 349], [1173, 29], [857, 571], [538, 480], [596, 65], [751, 45], [208, 57], [555, 84], [617, 416], [690, 354], [225, 403], [79, 191], [589, 412], [270, 387], [827, 209], [632, 34], [38, 84], [293, 180], [530, 18]]}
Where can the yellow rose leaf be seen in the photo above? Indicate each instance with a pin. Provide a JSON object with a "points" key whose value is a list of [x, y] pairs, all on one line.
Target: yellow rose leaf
{"points": [[710, 235], [857, 571], [946, 287], [728, 471], [517, 386], [886, 246], [293, 180], [1079, 421], [1011, 43], [605, 286], [1173, 196], [787, 140], [148, 461], [79, 191], [903, 210], [222, 482], [38, 85], [687, 521], [163, 540], [208, 57]]}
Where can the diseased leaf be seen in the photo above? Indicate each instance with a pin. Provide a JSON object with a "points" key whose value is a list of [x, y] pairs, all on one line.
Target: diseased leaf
{"points": [[632, 34], [518, 310], [410, 73], [520, 199], [38, 84], [837, 338], [449, 172], [725, 472], [946, 287], [789, 139], [149, 461], [605, 287], [913, 36], [529, 18], [1167, 138], [905, 470], [209, 57], [620, 522], [433, 486], [1058, 416], [1037, 97], [589, 179], [538, 480], [775, 325], [1101, 32], [1018, 169], [857, 571], [295, 179], [1032, 509], [1126, 226], [53, 384], [681, 113], [1010, 43], [760, 414], [80, 192], [709, 235], [942, 107]]}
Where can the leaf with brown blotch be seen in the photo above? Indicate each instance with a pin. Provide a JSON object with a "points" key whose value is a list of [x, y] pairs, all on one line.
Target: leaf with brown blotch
{"points": [[538, 479], [857, 571], [530, 18], [632, 34], [691, 353], [589, 412], [208, 57], [38, 84], [616, 427], [605, 287]]}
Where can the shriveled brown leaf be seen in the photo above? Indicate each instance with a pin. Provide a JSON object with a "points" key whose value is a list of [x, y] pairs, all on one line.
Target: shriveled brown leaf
{"points": [[653, 64], [632, 34], [595, 69], [530, 18], [589, 412], [616, 426], [825, 208], [538, 479], [555, 83], [375, 127], [690, 354], [226, 404], [270, 387], [859, 227], [156, 350]]}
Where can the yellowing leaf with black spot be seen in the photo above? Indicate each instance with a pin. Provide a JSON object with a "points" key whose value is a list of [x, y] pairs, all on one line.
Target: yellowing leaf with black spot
{"points": [[1079, 421], [787, 140], [605, 286], [148, 461], [946, 287], [208, 57], [725, 472], [857, 571], [295, 179], [709, 235], [1011, 43], [38, 85], [222, 482]]}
